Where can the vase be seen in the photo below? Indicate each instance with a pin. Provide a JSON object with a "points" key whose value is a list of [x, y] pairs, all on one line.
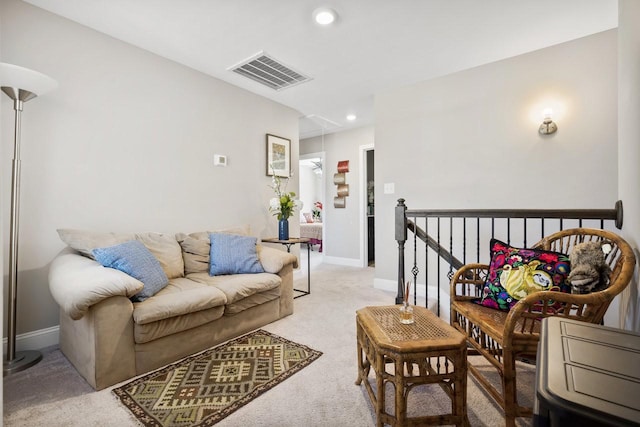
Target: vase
{"points": [[406, 313], [283, 229]]}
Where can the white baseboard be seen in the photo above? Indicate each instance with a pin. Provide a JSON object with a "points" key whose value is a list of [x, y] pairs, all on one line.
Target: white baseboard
{"points": [[386, 285], [349, 262], [35, 340]]}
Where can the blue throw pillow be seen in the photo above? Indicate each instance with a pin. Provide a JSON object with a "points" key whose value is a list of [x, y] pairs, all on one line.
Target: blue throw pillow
{"points": [[233, 254], [137, 261]]}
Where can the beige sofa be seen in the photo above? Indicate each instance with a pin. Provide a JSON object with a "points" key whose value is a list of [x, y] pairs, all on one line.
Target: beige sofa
{"points": [[109, 338]]}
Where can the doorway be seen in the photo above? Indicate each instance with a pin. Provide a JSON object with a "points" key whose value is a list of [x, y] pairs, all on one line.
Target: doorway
{"points": [[312, 194], [367, 204]]}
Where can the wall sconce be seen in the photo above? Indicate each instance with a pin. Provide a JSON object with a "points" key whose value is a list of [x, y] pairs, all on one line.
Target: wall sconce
{"points": [[548, 126]]}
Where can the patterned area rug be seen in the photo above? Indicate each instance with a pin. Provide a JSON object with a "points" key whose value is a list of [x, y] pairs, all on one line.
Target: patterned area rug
{"points": [[205, 388]]}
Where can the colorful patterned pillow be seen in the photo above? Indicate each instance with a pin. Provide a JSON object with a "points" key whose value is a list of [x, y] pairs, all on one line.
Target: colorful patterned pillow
{"points": [[515, 273]]}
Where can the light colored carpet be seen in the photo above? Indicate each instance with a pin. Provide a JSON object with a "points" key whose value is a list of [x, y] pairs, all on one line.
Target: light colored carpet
{"points": [[324, 394]]}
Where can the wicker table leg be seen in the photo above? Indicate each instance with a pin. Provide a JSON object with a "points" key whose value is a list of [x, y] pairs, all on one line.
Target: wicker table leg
{"points": [[400, 384], [364, 364], [361, 360], [379, 369], [459, 405]]}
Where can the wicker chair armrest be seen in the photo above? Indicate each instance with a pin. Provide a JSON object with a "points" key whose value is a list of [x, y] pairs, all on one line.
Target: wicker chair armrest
{"points": [[467, 276], [526, 315], [592, 298]]}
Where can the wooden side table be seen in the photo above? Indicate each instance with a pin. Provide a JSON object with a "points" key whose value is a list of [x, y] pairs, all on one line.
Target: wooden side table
{"points": [[437, 349], [288, 243], [587, 375]]}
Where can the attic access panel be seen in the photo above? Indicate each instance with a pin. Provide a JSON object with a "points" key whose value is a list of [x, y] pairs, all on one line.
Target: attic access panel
{"points": [[270, 72]]}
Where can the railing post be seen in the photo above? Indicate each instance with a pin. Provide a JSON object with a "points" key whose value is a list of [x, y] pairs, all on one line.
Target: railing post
{"points": [[619, 214], [401, 237]]}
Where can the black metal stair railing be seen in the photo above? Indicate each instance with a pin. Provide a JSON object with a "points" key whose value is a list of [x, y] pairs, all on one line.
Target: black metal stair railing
{"points": [[467, 230]]}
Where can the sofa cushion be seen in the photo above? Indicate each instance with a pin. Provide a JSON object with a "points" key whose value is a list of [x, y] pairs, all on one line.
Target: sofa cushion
{"points": [[233, 254], [258, 298], [137, 261], [167, 250], [183, 304], [239, 287], [86, 241]]}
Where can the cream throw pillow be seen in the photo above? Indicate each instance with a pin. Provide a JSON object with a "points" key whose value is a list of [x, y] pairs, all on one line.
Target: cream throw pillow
{"points": [[167, 250], [85, 241], [195, 252], [163, 246]]}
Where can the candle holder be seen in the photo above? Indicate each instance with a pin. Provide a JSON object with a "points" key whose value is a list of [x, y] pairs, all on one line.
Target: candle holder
{"points": [[406, 313]]}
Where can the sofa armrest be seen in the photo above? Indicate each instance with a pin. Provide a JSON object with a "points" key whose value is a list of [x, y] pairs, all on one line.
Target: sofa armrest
{"points": [[101, 345], [273, 260], [77, 282]]}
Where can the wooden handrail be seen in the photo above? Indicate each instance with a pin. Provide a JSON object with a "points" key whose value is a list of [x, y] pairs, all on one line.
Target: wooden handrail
{"points": [[433, 244], [404, 223], [615, 214]]}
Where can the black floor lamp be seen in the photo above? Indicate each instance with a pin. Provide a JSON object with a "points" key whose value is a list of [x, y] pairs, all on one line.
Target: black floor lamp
{"points": [[20, 84]]}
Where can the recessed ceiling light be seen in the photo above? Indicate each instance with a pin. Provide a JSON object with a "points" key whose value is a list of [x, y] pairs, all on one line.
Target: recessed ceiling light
{"points": [[351, 117], [324, 15]]}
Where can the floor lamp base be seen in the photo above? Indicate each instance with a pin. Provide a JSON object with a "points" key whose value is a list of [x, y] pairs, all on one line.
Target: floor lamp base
{"points": [[22, 361]]}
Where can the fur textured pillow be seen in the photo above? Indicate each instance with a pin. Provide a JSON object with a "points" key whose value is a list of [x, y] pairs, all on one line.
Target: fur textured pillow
{"points": [[589, 269]]}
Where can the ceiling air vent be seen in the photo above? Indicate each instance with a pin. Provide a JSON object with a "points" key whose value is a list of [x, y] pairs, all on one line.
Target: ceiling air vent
{"points": [[269, 71]]}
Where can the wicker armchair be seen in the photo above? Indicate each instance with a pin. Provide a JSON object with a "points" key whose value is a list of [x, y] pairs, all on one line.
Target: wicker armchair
{"points": [[502, 337]]}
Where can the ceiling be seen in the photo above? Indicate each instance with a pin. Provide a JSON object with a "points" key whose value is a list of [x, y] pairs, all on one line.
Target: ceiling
{"points": [[374, 46]]}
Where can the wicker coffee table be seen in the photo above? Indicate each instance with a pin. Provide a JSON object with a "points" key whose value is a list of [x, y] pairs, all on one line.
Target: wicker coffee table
{"points": [[437, 350]]}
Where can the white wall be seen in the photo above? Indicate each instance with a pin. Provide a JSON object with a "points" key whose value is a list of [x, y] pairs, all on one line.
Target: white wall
{"points": [[126, 143], [629, 146], [470, 139], [342, 226]]}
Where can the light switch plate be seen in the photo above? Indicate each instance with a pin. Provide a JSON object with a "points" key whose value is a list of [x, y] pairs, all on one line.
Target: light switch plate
{"points": [[219, 160], [389, 188]]}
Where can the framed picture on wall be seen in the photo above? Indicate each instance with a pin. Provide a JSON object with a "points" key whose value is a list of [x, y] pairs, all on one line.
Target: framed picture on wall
{"points": [[278, 156]]}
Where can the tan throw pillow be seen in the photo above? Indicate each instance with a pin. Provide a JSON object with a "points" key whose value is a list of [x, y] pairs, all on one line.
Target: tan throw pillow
{"points": [[195, 251], [167, 250], [85, 241]]}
